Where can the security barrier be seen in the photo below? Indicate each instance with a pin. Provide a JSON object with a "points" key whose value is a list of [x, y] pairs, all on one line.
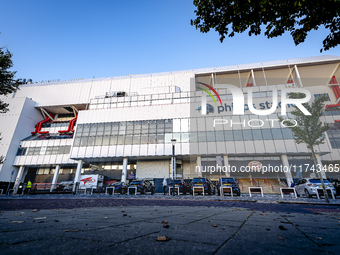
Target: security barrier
{"points": [[175, 189], [320, 191], [132, 188], [113, 190], [288, 191], [193, 190], [222, 190], [255, 190]]}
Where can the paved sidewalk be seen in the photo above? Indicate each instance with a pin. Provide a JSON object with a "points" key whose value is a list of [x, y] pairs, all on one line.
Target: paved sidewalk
{"points": [[192, 230], [267, 198]]}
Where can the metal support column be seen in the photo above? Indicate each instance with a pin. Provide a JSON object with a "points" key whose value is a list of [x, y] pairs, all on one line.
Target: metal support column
{"points": [[55, 178], [18, 179], [78, 173], [286, 169], [199, 163], [124, 172], [226, 164]]}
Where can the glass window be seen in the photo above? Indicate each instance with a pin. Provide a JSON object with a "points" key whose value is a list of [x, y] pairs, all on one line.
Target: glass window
{"points": [[277, 135], [106, 140], [120, 139], [211, 136], [160, 138], [37, 150], [99, 141], [129, 128], [160, 126], [247, 136], [30, 151], [91, 140], [55, 150], [287, 133], [138, 127], [144, 139], [100, 129], [136, 139], [79, 130], [43, 150], [177, 136], [145, 127], [202, 136], [219, 136], [193, 137], [128, 139], [86, 130], [115, 128], [83, 141], [93, 129], [267, 134], [49, 150], [152, 139], [76, 142], [113, 140], [168, 137], [122, 128], [168, 126], [237, 135], [67, 149], [184, 137], [228, 135], [107, 128], [257, 134], [61, 149]]}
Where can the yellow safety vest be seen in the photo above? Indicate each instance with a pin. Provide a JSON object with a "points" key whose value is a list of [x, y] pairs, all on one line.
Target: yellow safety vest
{"points": [[29, 185]]}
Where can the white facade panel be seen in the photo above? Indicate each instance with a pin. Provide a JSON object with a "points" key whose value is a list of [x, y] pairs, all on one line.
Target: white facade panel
{"points": [[280, 146], [112, 151], [270, 147], [104, 152], [239, 147], [290, 146], [259, 147], [81, 152], [249, 146], [230, 146], [119, 150]]}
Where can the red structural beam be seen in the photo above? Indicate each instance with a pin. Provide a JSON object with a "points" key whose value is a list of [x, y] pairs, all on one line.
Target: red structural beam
{"points": [[38, 127], [70, 126]]}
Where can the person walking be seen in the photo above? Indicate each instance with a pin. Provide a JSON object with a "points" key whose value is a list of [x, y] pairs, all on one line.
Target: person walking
{"points": [[165, 184], [28, 187]]}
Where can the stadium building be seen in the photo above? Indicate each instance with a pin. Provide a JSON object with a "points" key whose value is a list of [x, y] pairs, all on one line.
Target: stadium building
{"points": [[122, 127]]}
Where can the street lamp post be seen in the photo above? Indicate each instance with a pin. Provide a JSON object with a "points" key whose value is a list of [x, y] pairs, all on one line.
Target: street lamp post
{"points": [[173, 141]]}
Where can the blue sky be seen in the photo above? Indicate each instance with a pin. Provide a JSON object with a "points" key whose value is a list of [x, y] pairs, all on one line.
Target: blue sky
{"points": [[73, 39]]}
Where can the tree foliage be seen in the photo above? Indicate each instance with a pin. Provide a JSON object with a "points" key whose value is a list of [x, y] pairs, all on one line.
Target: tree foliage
{"points": [[7, 82], [298, 17], [309, 129]]}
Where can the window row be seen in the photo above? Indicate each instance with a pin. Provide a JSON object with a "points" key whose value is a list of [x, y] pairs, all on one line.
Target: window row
{"points": [[45, 150], [210, 136], [125, 128]]}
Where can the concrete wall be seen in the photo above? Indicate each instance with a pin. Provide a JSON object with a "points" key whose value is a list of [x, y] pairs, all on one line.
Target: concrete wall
{"points": [[152, 169], [15, 125]]}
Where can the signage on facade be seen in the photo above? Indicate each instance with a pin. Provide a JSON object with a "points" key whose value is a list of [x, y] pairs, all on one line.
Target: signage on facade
{"points": [[255, 165]]}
